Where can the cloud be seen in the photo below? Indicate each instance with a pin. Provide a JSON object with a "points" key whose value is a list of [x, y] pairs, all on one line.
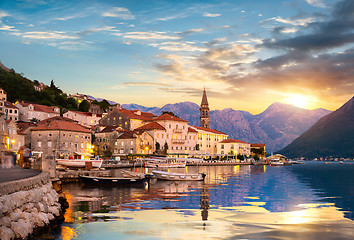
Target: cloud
{"points": [[3, 14], [71, 45], [191, 31], [211, 14], [178, 46], [46, 35], [4, 27], [149, 36], [119, 12], [100, 29], [294, 22], [316, 3]]}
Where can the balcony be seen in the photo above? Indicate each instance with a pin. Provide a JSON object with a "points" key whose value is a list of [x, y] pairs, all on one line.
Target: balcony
{"points": [[177, 131]]}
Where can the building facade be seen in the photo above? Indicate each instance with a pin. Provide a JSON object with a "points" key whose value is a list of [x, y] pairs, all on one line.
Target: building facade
{"points": [[11, 111], [233, 147], [61, 138], [84, 118], [29, 111]]}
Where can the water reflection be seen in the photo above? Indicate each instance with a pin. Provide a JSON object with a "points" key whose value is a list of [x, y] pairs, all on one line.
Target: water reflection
{"points": [[252, 202]]}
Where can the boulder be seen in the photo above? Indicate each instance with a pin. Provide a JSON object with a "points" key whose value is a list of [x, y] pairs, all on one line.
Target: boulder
{"points": [[6, 233]]}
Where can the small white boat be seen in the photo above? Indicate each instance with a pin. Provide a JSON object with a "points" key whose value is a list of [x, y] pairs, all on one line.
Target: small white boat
{"points": [[275, 162], [162, 175], [164, 163], [80, 163]]}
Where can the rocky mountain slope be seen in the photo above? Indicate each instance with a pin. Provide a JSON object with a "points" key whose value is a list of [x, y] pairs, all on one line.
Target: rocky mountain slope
{"points": [[332, 135], [277, 126]]}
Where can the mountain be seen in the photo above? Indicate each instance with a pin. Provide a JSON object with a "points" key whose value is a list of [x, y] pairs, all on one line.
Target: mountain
{"points": [[277, 126], [332, 135]]}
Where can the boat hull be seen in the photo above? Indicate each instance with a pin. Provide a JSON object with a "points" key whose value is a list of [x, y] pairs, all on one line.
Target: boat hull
{"points": [[79, 163], [110, 181], [161, 175]]}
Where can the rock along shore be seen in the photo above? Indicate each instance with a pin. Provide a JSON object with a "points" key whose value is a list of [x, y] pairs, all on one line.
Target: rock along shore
{"points": [[27, 206]]}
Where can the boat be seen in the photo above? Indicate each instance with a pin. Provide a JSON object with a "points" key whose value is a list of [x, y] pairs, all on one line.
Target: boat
{"points": [[80, 163], [275, 162], [130, 174], [162, 175], [112, 181], [164, 163]]}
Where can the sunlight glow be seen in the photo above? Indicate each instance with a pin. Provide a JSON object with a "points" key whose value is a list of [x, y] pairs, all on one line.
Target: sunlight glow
{"points": [[297, 100]]}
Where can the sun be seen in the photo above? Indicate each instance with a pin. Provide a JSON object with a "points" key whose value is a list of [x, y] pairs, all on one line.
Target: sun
{"points": [[297, 100]]}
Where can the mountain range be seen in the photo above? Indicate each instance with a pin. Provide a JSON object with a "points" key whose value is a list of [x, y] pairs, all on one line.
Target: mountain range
{"points": [[332, 135], [277, 126]]}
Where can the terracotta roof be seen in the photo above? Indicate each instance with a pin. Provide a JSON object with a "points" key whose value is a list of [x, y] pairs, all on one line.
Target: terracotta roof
{"points": [[9, 105], [192, 130], [209, 130], [38, 107], [22, 126], [168, 117], [108, 129], [86, 113], [260, 145], [232, 141], [8, 121], [127, 135], [56, 118], [132, 114], [62, 125], [151, 126]]}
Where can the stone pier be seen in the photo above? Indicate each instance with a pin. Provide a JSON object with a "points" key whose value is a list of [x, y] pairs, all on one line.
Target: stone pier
{"points": [[27, 205]]}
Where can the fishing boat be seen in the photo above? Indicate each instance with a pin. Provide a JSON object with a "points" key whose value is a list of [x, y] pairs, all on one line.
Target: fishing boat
{"points": [[80, 163], [164, 163], [162, 175], [113, 181]]}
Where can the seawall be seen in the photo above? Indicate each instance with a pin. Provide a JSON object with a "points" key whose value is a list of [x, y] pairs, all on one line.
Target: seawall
{"points": [[27, 205]]}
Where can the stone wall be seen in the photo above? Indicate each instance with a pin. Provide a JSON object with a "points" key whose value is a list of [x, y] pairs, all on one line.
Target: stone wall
{"points": [[26, 205]]}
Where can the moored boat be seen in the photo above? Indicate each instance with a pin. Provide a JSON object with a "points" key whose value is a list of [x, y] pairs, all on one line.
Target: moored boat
{"points": [[80, 163], [162, 175], [112, 181], [164, 163]]}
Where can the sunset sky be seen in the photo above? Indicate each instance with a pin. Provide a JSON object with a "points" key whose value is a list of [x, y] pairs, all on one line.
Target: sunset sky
{"points": [[246, 53]]}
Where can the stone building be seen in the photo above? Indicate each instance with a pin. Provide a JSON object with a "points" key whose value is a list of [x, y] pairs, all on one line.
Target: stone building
{"points": [[233, 147], [118, 141], [28, 111], [3, 99], [11, 111], [16, 139], [61, 138], [86, 119], [208, 140]]}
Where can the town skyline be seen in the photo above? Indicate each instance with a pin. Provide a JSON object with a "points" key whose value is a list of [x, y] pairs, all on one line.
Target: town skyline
{"points": [[247, 55]]}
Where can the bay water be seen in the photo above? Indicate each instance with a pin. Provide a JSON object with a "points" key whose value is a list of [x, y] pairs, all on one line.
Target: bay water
{"points": [[314, 200]]}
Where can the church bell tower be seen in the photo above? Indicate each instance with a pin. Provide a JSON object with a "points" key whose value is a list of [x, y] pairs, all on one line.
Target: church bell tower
{"points": [[204, 111]]}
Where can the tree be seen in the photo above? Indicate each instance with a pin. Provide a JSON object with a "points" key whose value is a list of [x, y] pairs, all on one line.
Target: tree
{"points": [[171, 113], [107, 153], [157, 146], [240, 157], [84, 106], [34, 120], [165, 147], [197, 147]]}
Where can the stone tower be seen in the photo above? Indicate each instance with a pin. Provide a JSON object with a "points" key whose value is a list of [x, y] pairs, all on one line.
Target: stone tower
{"points": [[204, 111]]}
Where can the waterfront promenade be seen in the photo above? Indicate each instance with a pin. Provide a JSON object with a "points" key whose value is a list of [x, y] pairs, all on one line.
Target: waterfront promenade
{"points": [[16, 173]]}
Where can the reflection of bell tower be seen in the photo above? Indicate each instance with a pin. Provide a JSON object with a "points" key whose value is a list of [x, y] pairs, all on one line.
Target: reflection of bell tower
{"points": [[204, 203], [204, 111]]}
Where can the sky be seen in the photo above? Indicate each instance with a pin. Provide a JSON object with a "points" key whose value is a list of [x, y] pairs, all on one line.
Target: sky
{"points": [[246, 54]]}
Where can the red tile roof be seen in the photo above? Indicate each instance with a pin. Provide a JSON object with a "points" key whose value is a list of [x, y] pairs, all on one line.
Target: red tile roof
{"points": [[210, 130], [127, 135], [38, 107], [9, 105], [151, 126], [132, 114], [62, 125], [260, 145], [232, 141], [168, 117], [56, 118], [86, 113], [192, 130]]}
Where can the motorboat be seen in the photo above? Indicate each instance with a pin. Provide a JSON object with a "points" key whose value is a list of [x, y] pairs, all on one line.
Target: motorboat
{"points": [[275, 162], [164, 163], [162, 175], [80, 163], [113, 181]]}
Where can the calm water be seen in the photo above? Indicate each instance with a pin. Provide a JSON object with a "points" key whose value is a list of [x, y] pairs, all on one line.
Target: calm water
{"points": [[309, 201]]}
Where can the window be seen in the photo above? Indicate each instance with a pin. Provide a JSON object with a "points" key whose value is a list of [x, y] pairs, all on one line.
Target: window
{"points": [[50, 134], [222, 146], [82, 145], [10, 110], [121, 151], [131, 143], [122, 143], [116, 143], [49, 144], [39, 144]]}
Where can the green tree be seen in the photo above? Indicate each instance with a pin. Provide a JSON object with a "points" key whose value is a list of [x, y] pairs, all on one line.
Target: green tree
{"points": [[197, 147], [165, 148], [107, 153], [240, 157], [157, 146], [84, 106]]}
